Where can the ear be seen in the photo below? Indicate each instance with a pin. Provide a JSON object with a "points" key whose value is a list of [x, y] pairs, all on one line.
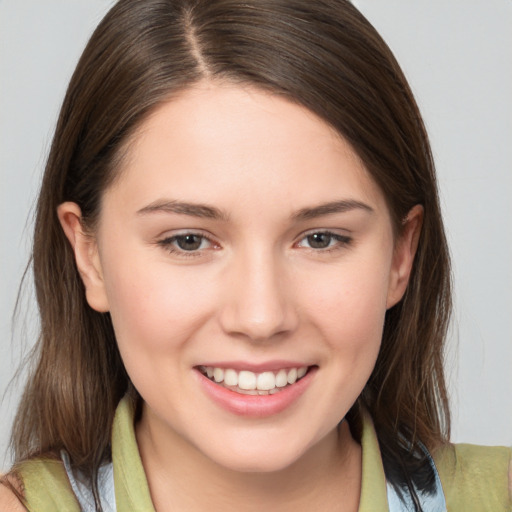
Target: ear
{"points": [[403, 255], [87, 258]]}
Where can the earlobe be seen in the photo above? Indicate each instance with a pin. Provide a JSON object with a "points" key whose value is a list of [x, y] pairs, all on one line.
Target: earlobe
{"points": [[403, 256], [87, 259]]}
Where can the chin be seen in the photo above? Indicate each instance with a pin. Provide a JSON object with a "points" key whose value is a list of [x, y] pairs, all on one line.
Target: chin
{"points": [[252, 456], [257, 464]]}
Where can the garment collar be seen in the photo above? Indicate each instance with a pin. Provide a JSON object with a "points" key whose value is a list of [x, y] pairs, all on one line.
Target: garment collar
{"points": [[132, 490]]}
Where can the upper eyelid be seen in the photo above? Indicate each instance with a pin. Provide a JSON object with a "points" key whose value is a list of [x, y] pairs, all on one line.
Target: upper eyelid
{"points": [[170, 240], [168, 243], [184, 232], [171, 237], [333, 232], [341, 241]]}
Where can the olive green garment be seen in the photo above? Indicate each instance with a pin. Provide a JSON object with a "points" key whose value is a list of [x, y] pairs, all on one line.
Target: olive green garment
{"points": [[474, 478]]}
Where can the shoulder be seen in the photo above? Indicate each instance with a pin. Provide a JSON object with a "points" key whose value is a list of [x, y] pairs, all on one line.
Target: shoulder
{"points": [[473, 474], [46, 486], [9, 501]]}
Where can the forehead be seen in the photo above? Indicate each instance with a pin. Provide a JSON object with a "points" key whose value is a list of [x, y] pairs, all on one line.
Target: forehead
{"points": [[213, 139]]}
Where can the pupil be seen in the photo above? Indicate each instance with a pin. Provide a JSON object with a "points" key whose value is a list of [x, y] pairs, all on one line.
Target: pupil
{"points": [[319, 240], [189, 242]]}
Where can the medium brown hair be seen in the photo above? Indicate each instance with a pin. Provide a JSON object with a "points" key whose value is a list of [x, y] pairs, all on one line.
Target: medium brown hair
{"points": [[322, 54]]}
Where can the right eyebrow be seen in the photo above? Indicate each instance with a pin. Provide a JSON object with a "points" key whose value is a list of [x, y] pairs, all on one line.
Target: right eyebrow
{"points": [[183, 208]]}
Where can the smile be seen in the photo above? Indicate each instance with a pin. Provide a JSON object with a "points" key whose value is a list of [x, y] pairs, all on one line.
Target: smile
{"points": [[250, 383]]}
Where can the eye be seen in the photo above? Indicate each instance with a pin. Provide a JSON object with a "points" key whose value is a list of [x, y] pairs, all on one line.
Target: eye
{"points": [[190, 242], [186, 243], [324, 240]]}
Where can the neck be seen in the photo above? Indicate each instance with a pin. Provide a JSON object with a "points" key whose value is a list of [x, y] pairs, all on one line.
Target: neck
{"points": [[181, 477]]}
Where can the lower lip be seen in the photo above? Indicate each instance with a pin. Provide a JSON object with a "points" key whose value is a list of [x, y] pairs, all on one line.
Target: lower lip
{"points": [[257, 406]]}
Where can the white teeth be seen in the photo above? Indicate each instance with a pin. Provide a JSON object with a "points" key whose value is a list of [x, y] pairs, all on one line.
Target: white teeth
{"points": [[266, 382], [218, 374], [281, 378], [292, 376], [246, 380], [230, 378]]}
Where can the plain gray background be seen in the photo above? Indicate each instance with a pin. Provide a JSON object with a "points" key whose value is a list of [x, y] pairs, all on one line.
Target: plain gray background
{"points": [[458, 58]]}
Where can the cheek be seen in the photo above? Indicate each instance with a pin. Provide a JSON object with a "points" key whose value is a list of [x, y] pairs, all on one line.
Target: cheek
{"points": [[349, 304], [154, 307], [345, 309], [155, 313]]}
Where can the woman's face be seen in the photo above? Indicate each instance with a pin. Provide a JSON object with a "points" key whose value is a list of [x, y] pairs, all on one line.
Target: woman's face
{"points": [[244, 245]]}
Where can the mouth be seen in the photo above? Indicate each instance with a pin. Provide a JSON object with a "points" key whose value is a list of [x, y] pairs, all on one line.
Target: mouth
{"points": [[258, 392], [246, 382]]}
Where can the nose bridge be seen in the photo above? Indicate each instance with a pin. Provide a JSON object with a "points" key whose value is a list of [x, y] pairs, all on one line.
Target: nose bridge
{"points": [[258, 304]]}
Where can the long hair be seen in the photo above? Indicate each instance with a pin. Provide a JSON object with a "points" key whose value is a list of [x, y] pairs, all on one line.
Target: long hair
{"points": [[321, 54]]}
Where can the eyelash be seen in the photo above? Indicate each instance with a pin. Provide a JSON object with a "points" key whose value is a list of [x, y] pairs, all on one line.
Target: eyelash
{"points": [[342, 241], [168, 243]]}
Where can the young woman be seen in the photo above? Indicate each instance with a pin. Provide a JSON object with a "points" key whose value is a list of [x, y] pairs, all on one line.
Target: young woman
{"points": [[242, 276]]}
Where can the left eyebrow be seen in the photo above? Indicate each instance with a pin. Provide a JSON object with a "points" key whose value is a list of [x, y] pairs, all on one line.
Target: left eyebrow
{"points": [[331, 208]]}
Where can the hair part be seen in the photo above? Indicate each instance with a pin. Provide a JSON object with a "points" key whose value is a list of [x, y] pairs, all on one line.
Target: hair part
{"points": [[323, 55]]}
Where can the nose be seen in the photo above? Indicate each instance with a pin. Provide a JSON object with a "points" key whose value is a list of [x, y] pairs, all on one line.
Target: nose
{"points": [[258, 302]]}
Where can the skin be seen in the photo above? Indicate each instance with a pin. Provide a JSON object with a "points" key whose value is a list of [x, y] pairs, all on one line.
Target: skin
{"points": [[255, 290], [8, 500]]}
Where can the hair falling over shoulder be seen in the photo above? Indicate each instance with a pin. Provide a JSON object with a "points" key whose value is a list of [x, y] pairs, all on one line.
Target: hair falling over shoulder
{"points": [[323, 55]]}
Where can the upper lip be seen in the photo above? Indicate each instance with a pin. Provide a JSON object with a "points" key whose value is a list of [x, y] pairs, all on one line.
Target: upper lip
{"points": [[256, 367]]}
